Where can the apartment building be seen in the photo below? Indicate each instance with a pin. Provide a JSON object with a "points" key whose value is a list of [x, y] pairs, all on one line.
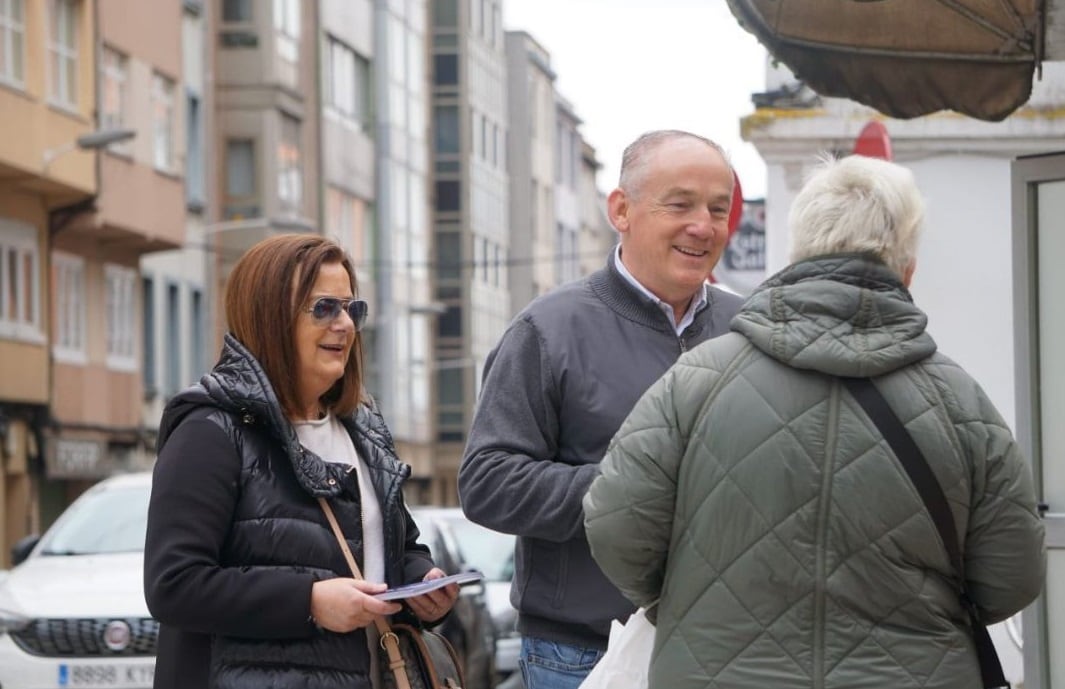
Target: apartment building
{"points": [[345, 39], [47, 95], [597, 236], [91, 183], [469, 213], [401, 368], [175, 318], [267, 131], [531, 151], [567, 192], [96, 246]]}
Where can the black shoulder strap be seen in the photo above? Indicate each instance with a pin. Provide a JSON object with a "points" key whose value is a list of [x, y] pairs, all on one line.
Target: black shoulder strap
{"points": [[916, 466]]}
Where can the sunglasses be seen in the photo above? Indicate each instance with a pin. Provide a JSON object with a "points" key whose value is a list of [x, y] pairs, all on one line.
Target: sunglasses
{"points": [[327, 309]]}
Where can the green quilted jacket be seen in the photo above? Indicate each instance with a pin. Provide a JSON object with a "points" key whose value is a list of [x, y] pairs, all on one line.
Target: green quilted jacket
{"points": [[750, 495]]}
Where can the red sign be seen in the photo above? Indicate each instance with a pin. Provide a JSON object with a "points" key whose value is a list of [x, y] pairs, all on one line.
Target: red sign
{"points": [[736, 211], [873, 142]]}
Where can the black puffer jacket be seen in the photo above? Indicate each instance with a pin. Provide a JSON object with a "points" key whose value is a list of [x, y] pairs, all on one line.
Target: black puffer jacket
{"points": [[236, 538]]}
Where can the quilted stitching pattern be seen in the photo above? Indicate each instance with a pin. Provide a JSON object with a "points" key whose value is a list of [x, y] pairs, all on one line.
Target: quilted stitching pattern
{"points": [[787, 565], [238, 385]]}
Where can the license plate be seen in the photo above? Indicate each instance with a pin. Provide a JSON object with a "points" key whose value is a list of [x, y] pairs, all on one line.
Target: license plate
{"points": [[104, 675]]}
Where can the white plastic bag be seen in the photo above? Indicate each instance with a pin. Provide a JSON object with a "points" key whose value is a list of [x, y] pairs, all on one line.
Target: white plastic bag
{"points": [[627, 657]]}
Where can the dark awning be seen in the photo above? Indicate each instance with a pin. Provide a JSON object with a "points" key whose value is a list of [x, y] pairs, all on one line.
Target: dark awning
{"points": [[906, 57]]}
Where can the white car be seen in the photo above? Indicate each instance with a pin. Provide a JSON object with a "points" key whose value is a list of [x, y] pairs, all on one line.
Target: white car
{"points": [[72, 611]]}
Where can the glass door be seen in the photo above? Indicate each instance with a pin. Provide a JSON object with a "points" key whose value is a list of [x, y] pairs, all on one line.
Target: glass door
{"points": [[1039, 327]]}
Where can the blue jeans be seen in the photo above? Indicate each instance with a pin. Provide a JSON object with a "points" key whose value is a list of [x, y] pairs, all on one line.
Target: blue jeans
{"points": [[552, 665]]}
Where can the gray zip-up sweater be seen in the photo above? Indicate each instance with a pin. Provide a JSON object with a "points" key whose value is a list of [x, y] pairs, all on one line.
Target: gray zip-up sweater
{"points": [[556, 388]]}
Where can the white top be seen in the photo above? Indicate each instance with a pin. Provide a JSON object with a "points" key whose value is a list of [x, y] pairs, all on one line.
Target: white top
{"points": [[698, 300], [328, 439]]}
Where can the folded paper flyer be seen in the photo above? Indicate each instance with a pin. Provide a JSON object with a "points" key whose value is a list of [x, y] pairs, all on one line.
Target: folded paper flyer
{"points": [[422, 587]]}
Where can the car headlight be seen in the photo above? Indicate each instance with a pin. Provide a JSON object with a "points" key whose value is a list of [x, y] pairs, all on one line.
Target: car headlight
{"points": [[12, 621]]}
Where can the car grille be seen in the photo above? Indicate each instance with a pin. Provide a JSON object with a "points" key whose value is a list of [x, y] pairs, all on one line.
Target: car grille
{"points": [[85, 638]]}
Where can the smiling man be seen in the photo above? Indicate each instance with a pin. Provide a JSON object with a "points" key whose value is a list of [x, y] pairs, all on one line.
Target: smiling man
{"points": [[566, 374]]}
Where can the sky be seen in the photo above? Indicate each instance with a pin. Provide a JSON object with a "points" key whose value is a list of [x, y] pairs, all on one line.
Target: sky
{"points": [[629, 66]]}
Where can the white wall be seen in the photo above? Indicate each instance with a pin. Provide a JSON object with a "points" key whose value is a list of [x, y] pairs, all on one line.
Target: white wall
{"points": [[964, 278]]}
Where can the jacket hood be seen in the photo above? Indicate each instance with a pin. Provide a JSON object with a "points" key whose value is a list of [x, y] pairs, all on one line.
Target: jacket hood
{"points": [[239, 386], [843, 315]]}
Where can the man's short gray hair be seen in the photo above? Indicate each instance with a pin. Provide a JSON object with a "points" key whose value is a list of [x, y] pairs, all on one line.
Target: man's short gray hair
{"points": [[858, 204], [634, 159]]}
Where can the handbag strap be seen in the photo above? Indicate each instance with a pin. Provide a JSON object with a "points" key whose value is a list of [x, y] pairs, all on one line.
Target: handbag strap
{"points": [[389, 640], [935, 501]]}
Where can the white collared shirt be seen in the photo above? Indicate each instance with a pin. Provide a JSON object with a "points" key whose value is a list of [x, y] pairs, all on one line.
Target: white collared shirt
{"points": [[698, 300]]}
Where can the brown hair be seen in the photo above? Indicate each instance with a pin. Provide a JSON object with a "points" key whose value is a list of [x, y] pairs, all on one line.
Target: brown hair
{"points": [[264, 293]]}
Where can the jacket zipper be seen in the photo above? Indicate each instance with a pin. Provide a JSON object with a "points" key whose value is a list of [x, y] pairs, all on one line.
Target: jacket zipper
{"points": [[823, 508]]}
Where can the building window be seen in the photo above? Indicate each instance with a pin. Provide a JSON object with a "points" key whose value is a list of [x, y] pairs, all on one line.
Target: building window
{"points": [[287, 27], [114, 73], [163, 122], [63, 53], [501, 148], [479, 245], [448, 196], [347, 82], [446, 128], [148, 302], [198, 334], [68, 275], [449, 386], [445, 13], [12, 41], [240, 12], [173, 340], [490, 23], [121, 339], [237, 10], [194, 176], [497, 26], [448, 256], [242, 197], [446, 69], [346, 220], [497, 267], [289, 172], [20, 294]]}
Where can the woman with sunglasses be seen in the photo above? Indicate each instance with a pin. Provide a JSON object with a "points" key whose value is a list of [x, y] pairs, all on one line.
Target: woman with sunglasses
{"points": [[241, 568]]}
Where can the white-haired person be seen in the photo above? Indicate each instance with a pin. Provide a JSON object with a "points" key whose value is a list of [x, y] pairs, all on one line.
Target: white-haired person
{"points": [[751, 495]]}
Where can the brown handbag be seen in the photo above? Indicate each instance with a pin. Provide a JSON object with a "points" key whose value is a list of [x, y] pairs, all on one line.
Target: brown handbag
{"points": [[417, 658]]}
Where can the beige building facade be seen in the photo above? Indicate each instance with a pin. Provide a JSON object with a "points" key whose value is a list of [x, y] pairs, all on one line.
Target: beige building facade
{"points": [[176, 317], [47, 87], [139, 208], [267, 134]]}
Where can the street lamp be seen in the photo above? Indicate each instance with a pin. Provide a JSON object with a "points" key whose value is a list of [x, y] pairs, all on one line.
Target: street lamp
{"points": [[101, 138]]}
